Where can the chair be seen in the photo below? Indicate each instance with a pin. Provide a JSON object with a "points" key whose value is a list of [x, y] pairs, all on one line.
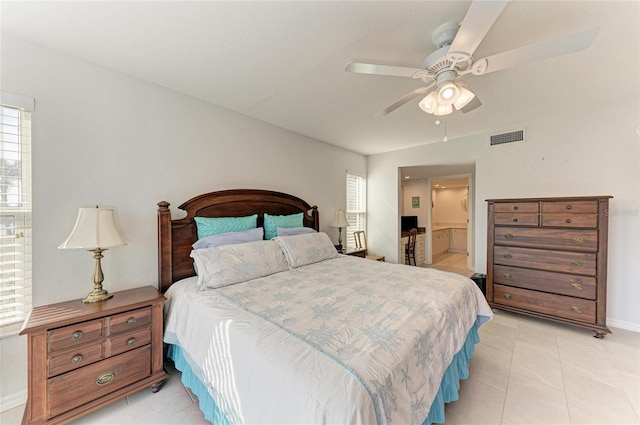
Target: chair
{"points": [[361, 243], [410, 247]]}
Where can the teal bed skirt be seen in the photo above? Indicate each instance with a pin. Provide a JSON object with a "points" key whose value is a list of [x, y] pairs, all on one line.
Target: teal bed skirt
{"points": [[448, 391]]}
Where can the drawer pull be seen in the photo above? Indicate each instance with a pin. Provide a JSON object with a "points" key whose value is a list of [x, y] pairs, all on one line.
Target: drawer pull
{"points": [[131, 341], [508, 236], [131, 321], [576, 309], [105, 378], [506, 296], [568, 207], [576, 286], [507, 256], [577, 240], [515, 220], [508, 275], [515, 208], [76, 335], [76, 359], [568, 221], [576, 263]]}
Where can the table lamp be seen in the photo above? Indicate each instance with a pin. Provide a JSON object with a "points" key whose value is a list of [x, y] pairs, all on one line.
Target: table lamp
{"points": [[95, 230], [339, 221]]}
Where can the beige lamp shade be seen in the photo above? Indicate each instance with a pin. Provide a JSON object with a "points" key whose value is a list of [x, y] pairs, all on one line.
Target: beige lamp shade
{"points": [[339, 219], [94, 228]]}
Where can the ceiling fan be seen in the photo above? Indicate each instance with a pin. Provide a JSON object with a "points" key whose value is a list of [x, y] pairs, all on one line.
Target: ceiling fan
{"points": [[441, 70]]}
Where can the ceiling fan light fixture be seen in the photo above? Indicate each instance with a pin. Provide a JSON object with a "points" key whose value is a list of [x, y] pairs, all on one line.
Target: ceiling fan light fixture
{"points": [[443, 110], [448, 94], [464, 98], [430, 103]]}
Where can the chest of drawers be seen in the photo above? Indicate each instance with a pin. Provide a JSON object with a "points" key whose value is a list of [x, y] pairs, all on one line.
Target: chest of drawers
{"points": [[547, 257], [85, 356]]}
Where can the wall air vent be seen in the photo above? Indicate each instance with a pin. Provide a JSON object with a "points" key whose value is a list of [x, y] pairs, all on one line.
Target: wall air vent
{"points": [[510, 137]]}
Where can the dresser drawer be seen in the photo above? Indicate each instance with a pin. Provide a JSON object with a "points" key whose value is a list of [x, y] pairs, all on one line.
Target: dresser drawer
{"points": [[73, 335], [541, 259], [570, 206], [129, 320], [516, 219], [128, 341], [522, 207], [572, 239], [88, 383], [557, 283], [551, 304], [570, 220], [82, 355]]}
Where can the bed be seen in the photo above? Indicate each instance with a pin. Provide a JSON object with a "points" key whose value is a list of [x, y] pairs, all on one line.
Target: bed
{"points": [[289, 331]]}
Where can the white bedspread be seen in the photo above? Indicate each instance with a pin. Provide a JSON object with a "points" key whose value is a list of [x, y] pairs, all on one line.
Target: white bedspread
{"points": [[341, 341]]}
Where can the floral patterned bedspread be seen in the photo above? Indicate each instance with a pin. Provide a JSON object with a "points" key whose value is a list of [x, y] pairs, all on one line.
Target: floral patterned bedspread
{"points": [[394, 328]]}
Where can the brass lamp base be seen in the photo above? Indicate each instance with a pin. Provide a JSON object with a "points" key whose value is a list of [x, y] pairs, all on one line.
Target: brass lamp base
{"points": [[98, 294]]}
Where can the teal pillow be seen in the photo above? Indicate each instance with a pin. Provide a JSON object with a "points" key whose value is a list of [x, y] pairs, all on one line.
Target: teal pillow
{"points": [[215, 225], [272, 222]]}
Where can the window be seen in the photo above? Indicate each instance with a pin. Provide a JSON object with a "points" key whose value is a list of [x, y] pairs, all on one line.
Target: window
{"points": [[15, 216], [356, 206]]}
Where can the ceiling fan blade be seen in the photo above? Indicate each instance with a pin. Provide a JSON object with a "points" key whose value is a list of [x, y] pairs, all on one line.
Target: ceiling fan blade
{"points": [[421, 91], [394, 71], [476, 24], [536, 51]]}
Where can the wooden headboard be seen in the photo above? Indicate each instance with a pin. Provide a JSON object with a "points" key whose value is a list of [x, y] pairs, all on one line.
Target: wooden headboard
{"points": [[175, 237]]}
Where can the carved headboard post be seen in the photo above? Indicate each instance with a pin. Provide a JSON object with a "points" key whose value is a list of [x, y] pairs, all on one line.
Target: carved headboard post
{"points": [[316, 218], [164, 246]]}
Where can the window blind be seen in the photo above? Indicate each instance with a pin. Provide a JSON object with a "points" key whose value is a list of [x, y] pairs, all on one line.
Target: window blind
{"points": [[15, 217], [356, 206]]}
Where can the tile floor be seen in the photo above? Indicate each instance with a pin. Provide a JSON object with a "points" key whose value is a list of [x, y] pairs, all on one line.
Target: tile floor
{"points": [[523, 371], [451, 262]]}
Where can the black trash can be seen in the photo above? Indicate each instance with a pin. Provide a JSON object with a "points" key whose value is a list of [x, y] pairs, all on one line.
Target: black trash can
{"points": [[480, 280]]}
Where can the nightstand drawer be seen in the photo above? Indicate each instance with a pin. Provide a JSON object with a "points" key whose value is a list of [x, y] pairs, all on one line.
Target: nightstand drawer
{"points": [[73, 335], [128, 341], [88, 383], [64, 361], [129, 320]]}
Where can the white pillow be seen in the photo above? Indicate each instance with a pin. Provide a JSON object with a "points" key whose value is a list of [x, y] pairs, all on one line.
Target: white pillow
{"points": [[292, 231], [225, 265], [309, 248], [229, 238]]}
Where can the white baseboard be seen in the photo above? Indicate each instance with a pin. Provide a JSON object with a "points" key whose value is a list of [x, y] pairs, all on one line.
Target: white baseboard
{"points": [[634, 327], [12, 400]]}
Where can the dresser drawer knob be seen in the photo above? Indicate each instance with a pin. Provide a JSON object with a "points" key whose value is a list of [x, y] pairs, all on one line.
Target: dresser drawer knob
{"points": [[515, 208], [576, 263], [576, 309], [506, 296], [105, 378], [76, 335], [568, 207], [507, 256], [131, 341], [508, 275], [515, 220], [576, 286], [568, 221], [131, 321], [76, 359], [577, 240], [508, 236]]}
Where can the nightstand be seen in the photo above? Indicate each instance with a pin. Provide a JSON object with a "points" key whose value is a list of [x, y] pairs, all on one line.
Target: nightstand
{"points": [[357, 253], [85, 356]]}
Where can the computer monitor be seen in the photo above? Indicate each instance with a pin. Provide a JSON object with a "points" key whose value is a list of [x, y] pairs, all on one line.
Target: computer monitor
{"points": [[408, 222]]}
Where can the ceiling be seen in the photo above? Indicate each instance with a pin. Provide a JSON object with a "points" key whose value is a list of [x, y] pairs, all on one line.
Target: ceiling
{"points": [[283, 62]]}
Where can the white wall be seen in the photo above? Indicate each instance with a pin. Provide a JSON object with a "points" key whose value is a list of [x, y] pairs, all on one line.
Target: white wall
{"points": [[101, 137], [447, 207], [419, 188], [579, 152]]}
